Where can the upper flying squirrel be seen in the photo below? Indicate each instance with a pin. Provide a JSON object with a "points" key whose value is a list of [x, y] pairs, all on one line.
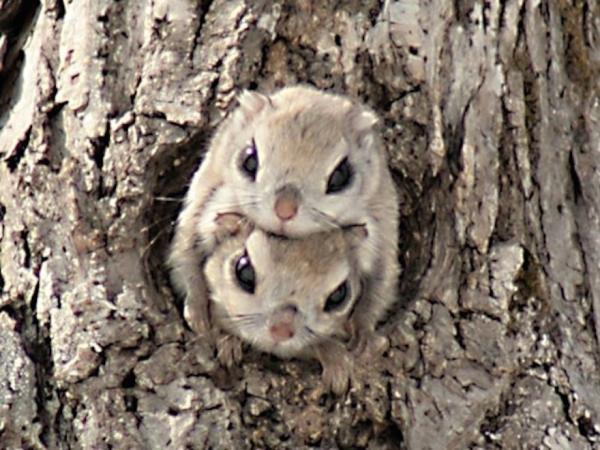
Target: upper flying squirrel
{"points": [[297, 162]]}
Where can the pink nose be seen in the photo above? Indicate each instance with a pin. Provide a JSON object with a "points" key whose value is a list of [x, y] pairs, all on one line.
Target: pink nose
{"points": [[281, 332], [286, 207], [282, 327]]}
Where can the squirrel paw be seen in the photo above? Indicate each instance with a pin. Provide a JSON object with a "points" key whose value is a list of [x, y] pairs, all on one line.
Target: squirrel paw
{"points": [[229, 351], [338, 370]]}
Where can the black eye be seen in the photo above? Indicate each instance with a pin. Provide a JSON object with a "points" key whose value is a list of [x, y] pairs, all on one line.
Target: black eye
{"points": [[340, 178], [250, 161], [336, 298], [244, 273]]}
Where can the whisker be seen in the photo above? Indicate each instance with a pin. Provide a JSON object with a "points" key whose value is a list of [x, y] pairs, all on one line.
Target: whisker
{"points": [[306, 338], [156, 222], [220, 206], [169, 199], [152, 242], [228, 203], [323, 218], [244, 193], [317, 335], [247, 321]]}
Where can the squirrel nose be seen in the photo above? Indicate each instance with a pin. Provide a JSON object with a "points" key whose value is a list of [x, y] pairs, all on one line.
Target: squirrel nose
{"points": [[283, 327], [286, 202], [281, 332], [286, 208]]}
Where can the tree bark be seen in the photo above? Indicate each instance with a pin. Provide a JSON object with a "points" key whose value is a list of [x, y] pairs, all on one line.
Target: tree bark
{"points": [[491, 116]]}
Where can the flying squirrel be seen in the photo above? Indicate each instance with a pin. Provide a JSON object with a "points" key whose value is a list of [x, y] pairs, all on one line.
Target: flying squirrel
{"points": [[295, 163]]}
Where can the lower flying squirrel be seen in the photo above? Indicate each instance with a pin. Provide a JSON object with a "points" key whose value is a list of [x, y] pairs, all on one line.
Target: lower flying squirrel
{"points": [[289, 297], [297, 162]]}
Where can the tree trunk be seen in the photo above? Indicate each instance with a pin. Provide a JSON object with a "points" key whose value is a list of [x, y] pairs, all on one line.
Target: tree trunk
{"points": [[491, 116]]}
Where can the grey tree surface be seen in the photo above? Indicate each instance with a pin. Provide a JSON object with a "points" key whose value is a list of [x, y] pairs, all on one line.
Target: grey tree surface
{"points": [[491, 116]]}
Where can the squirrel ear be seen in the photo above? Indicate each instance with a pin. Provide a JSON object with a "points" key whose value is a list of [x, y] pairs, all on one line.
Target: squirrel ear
{"points": [[231, 224], [251, 103], [357, 233], [362, 119]]}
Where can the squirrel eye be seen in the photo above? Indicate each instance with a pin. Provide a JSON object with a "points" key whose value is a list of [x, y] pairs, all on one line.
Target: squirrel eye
{"points": [[250, 161], [336, 298], [244, 273], [340, 177]]}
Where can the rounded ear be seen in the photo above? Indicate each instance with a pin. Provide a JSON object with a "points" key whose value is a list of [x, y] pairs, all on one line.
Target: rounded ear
{"points": [[362, 120], [252, 102], [232, 224], [357, 234]]}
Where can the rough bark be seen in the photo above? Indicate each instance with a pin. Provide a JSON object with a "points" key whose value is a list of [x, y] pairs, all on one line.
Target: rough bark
{"points": [[491, 115]]}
